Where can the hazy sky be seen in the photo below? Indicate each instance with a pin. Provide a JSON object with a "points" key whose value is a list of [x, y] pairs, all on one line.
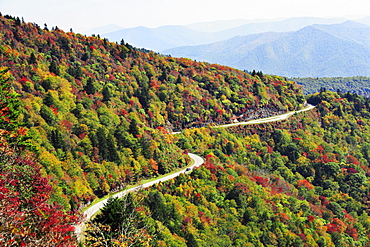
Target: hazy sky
{"points": [[82, 15]]}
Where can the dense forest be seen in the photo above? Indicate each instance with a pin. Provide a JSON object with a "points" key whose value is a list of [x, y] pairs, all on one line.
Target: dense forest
{"points": [[302, 182], [99, 112], [356, 84], [82, 117]]}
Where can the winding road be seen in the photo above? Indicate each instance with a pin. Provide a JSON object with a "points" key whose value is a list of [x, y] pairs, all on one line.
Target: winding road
{"points": [[268, 119], [198, 161]]}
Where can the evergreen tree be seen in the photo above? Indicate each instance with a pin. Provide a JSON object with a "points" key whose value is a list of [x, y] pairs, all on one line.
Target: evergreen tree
{"points": [[179, 79], [120, 224], [133, 128], [32, 59], [56, 139], [53, 68], [106, 93], [90, 87], [102, 143], [112, 150]]}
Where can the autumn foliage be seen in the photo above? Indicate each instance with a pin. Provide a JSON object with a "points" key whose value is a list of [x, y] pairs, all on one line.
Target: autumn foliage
{"points": [[27, 217], [82, 117]]}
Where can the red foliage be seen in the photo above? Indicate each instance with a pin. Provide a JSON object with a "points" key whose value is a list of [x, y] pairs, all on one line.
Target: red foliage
{"points": [[67, 124], [305, 183], [242, 188], [325, 159], [23, 80], [323, 200], [349, 218], [283, 216], [302, 236], [261, 181], [352, 160], [123, 112], [351, 170], [310, 218], [151, 115], [155, 84], [319, 150], [352, 232], [332, 228], [22, 131], [26, 217], [186, 220], [82, 135], [203, 217], [212, 167], [219, 111], [54, 109]]}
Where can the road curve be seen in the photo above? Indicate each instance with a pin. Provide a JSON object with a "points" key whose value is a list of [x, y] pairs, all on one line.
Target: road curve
{"points": [[198, 161], [268, 119]]}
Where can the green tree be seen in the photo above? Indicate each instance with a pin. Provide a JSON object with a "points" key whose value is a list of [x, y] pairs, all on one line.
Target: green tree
{"points": [[10, 104], [293, 152], [32, 59], [120, 224], [90, 86], [54, 68], [133, 128], [106, 93]]}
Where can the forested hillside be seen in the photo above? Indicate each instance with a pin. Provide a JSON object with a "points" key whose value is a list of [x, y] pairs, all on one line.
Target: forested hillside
{"points": [[83, 117], [302, 182], [99, 113], [357, 84]]}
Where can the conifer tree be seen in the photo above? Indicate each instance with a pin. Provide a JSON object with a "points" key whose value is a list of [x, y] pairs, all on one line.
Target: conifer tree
{"points": [[90, 87], [53, 68], [106, 93]]}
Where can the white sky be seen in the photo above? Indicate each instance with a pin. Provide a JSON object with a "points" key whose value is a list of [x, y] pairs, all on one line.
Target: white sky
{"points": [[82, 15]]}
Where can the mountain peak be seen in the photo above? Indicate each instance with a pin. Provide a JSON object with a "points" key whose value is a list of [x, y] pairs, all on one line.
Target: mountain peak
{"points": [[317, 50]]}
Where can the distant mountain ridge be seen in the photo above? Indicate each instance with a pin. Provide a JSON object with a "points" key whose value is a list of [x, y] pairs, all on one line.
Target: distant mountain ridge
{"points": [[161, 38], [316, 50], [104, 29], [171, 36], [221, 25]]}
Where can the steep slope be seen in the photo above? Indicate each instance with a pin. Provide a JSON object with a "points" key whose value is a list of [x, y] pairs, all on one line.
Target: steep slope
{"points": [[317, 51], [99, 113], [301, 182]]}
